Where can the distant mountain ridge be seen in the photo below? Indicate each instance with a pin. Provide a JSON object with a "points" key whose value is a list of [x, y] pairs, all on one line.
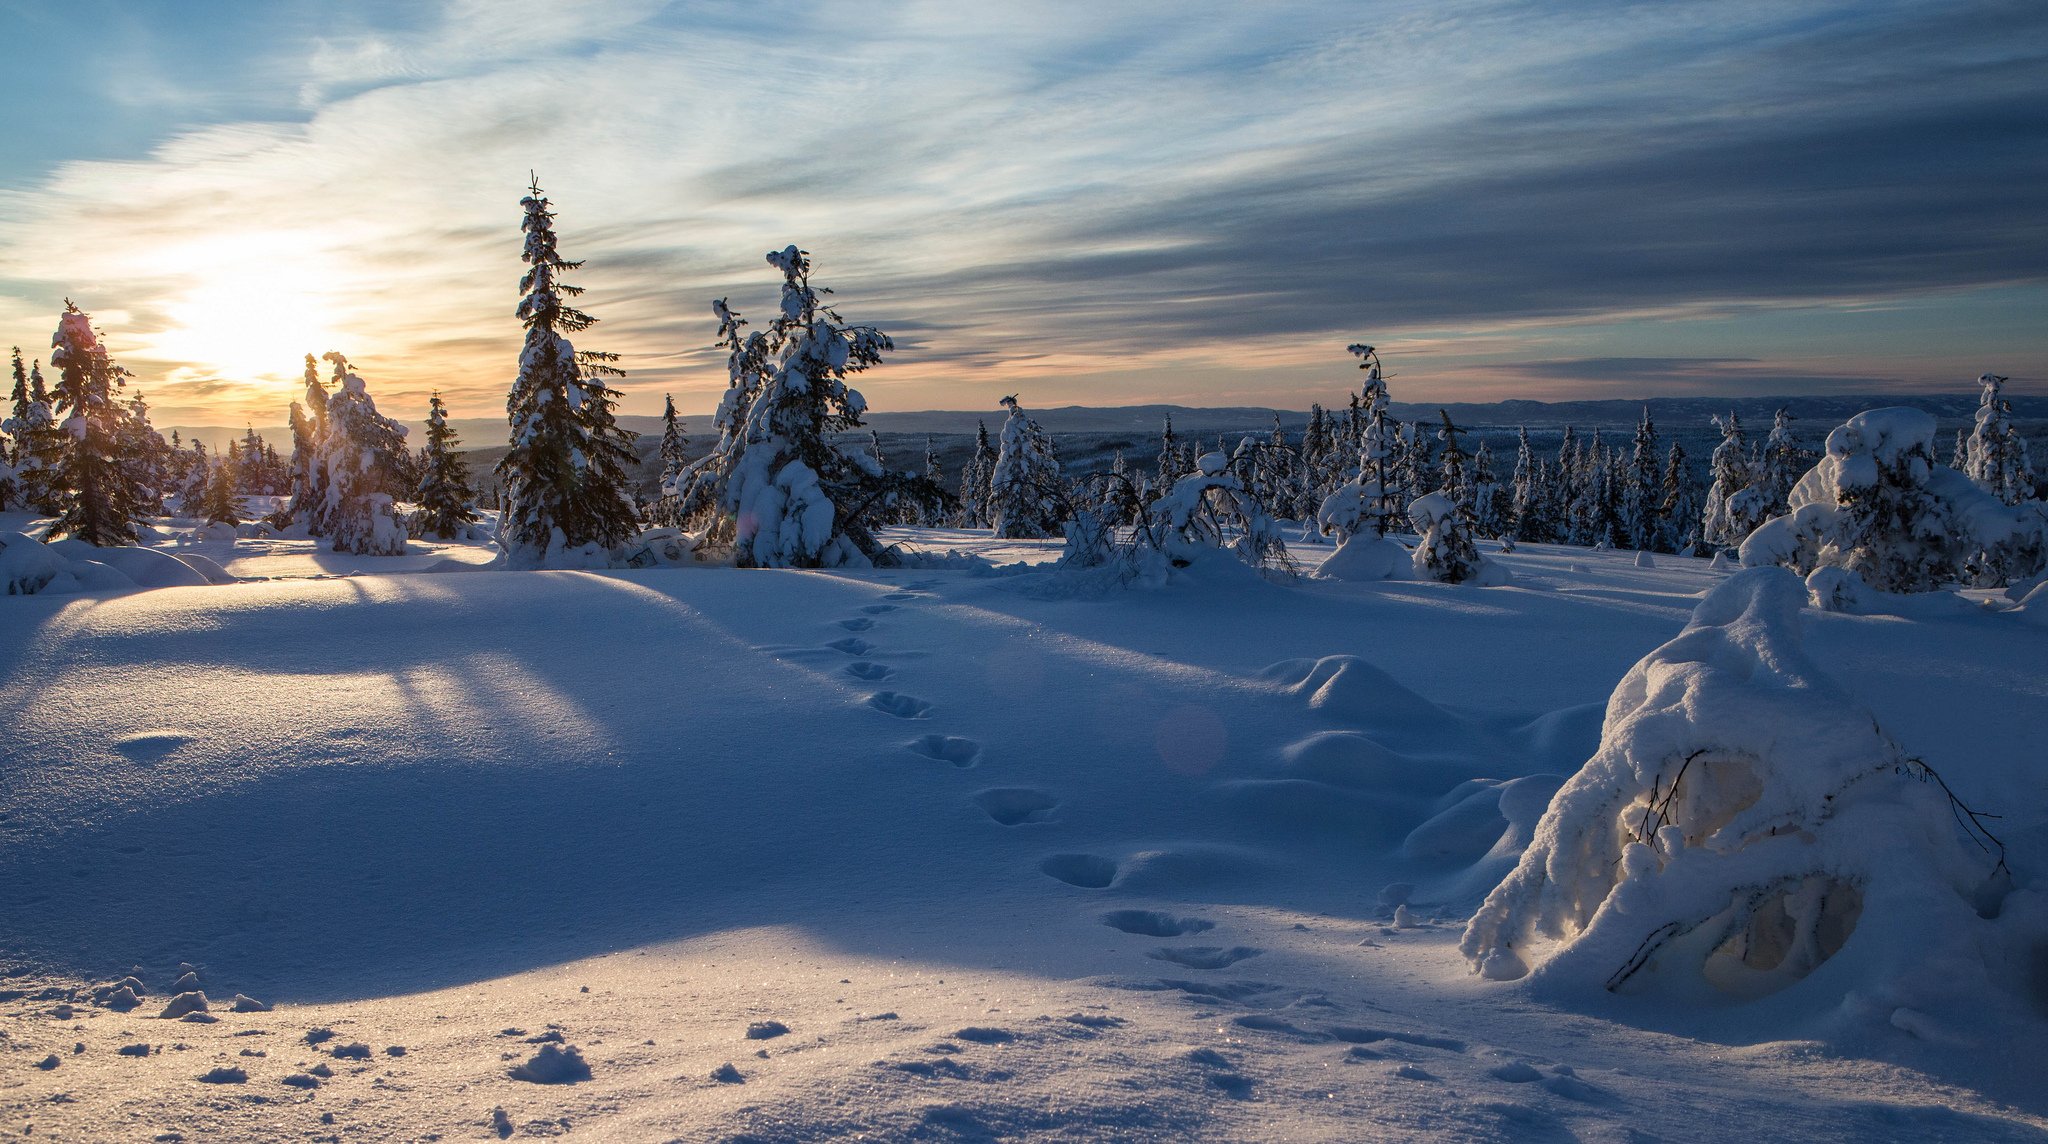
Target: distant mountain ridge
{"points": [[1147, 420]]}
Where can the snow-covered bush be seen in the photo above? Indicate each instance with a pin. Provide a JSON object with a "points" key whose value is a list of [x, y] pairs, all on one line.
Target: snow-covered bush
{"points": [[1211, 510], [27, 566], [1877, 504], [1743, 822]]}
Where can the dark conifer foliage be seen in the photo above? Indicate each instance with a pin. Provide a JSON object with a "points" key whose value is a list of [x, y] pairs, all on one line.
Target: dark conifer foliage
{"points": [[443, 494], [565, 480]]}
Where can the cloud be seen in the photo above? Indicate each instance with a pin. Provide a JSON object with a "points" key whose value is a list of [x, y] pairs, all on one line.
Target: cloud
{"points": [[1116, 203]]}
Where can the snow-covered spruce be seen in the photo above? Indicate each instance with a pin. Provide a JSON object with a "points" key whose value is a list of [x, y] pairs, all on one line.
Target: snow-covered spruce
{"points": [[308, 505], [797, 500], [100, 498], [1735, 505], [1878, 505], [699, 487], [1024, 499], [565, 483], [358, 463], [1720, 840], [1446, 552], [975, 479], [1369, 499], [38, 443], [667, 511], [218, 504], [443, 494], [1994, 453]]}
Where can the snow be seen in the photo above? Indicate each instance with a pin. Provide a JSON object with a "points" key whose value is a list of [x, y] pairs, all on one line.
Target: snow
{"points": [[1189, 862]]}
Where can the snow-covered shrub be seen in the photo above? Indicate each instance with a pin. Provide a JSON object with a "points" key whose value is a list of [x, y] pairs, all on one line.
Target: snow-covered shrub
{"points": [[1743, 822], [1211, 510], [1877, 504], [27, 566]]}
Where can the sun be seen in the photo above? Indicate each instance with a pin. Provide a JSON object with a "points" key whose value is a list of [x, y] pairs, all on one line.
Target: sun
{"points": [[246, 325]]}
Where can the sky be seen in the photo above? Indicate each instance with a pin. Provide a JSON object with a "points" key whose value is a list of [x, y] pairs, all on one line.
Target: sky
{"points": [[1083, 203]]}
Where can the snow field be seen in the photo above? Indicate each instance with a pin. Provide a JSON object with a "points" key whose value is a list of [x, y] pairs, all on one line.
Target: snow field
{"points": [[1189, 863]]}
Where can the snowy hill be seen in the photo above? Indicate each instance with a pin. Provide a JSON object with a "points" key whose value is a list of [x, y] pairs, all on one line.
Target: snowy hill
{"points": [[915, 855]]}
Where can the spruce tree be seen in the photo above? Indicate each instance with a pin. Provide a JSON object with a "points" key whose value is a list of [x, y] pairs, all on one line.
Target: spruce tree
{"points": [[309, 482], [565, 479], [798, 499], [975, 480], [667, 512], [220, 505], [1024, 486], [38, 441], [443, 494], [359, 458], [1678, 504], [700, 487], [1529, 502], [1995, 455], [1729, 515], [1641, 490], [935, 475], [100, 496]]}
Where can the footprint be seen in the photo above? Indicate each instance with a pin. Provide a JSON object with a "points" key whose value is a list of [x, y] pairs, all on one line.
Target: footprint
{"points": [[1152, 923], [952, 749], [1014, 806], [852, 645], [900, 705], [983, 1035], [879, 609], [857, 624], [863, 669], [1088, 871], [1205, 956]]}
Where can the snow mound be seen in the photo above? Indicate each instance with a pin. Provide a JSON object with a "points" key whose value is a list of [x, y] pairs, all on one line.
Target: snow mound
{"points": [[1717, 847], [1365, 557], [145, 567], [1349, 688]]}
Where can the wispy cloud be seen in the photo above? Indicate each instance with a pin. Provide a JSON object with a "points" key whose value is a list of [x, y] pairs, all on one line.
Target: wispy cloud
{"points": [[1113, 203]]}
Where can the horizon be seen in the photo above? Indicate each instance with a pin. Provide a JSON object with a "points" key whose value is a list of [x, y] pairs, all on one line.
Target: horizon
{"points": [[1096, 208]]}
